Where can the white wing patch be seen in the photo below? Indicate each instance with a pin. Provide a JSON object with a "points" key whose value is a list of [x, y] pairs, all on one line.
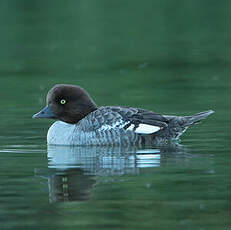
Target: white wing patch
{"points": [[141, 128], [117, 125], [144, 128]]}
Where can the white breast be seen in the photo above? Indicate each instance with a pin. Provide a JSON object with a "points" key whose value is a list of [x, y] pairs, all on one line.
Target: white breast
{"points": [[61, 133]]}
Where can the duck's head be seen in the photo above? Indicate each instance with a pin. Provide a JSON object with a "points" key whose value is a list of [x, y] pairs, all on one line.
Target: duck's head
{"points": [[68, 103]]}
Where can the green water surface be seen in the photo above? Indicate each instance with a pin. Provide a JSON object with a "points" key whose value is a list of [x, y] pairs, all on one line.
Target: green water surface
{"points": [[169, 57]]}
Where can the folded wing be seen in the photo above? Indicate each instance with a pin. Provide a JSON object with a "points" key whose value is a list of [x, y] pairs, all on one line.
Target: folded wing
{"points": [[132, 119]]}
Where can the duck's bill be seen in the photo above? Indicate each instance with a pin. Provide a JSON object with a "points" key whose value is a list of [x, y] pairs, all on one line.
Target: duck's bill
{"points": [[45, 113]]}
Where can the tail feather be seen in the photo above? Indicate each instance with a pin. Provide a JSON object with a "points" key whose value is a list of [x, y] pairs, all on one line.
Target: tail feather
{"points": [[198, 117]]}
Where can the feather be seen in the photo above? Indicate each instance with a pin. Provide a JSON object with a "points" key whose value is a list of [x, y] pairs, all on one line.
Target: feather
{"points": [[144, 128]]}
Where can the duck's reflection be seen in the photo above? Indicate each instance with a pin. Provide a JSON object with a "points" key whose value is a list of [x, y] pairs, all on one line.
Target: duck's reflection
{"points": [[102, 160], [69, 185], [72, 171]]}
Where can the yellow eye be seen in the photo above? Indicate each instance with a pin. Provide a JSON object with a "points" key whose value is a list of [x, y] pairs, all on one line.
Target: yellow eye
{"points": [[63, 101]]}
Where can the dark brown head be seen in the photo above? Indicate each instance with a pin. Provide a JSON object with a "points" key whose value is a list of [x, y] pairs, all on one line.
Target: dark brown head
{"points": [[68, 103]]}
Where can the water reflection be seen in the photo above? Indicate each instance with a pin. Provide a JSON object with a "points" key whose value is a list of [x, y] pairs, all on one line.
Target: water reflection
{"points": [[72, 170], [69, 185], [102, 160]]}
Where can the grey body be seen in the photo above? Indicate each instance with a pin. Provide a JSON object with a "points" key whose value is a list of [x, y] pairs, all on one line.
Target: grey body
{"points": [[108, 126]]}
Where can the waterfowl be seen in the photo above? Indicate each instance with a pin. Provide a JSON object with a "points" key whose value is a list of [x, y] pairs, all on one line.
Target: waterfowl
{"points": [[81, 122]]}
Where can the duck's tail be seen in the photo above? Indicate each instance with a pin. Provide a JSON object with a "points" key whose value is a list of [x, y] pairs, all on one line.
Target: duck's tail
{"points": [[196, 118]]}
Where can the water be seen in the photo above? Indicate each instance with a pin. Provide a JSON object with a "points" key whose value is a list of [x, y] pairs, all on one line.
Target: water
{"points": [[153, 55]]}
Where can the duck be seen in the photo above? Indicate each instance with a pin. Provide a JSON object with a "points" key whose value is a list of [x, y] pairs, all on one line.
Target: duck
{"points": [[81, 122]]}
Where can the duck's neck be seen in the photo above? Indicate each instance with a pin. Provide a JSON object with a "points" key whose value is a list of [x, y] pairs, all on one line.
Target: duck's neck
{"points": [[82, 110]]}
